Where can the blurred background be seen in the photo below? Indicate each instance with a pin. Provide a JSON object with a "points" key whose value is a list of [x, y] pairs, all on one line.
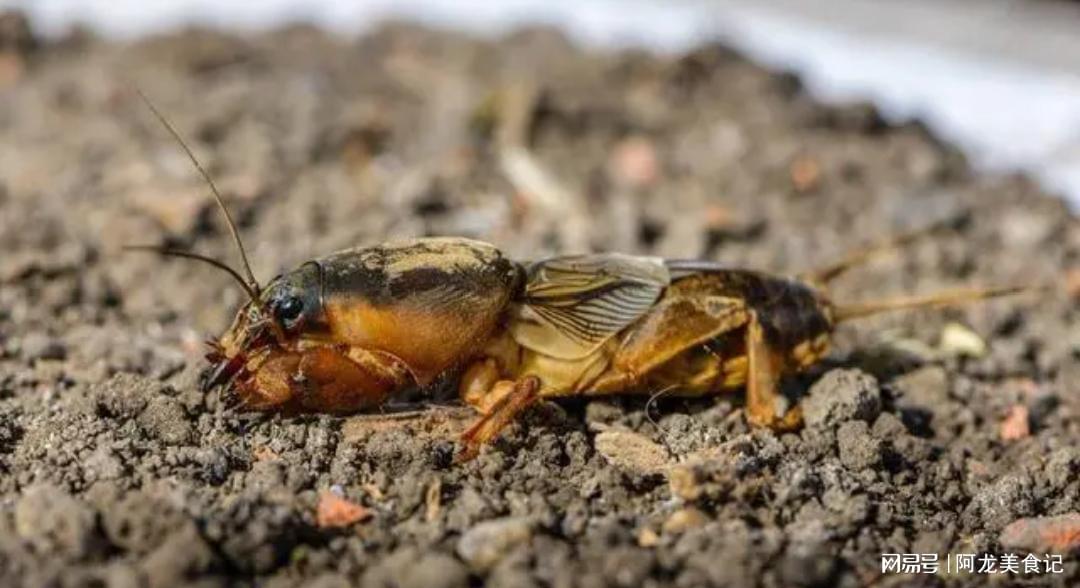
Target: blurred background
{"points": [[1000, 78]]}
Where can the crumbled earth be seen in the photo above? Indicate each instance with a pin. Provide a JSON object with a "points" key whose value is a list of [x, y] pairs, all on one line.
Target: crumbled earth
{"points": [[115, 470]]}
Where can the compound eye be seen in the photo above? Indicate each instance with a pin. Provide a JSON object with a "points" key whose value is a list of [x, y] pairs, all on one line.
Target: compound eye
{"points": [[288, 309]]}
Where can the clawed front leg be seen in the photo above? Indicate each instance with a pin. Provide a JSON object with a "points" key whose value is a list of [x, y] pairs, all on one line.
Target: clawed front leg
{"points": [[270, 385], [322, 379]]}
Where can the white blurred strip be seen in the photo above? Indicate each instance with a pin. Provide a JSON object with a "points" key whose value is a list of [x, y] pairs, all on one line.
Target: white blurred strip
{"points": [[1005, 113]]}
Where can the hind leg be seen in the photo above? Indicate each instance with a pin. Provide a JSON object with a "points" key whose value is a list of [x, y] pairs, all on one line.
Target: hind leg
{"points": [[676, 326], [764, 368]]}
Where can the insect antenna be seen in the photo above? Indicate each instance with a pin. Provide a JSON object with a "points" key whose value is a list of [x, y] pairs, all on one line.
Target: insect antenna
{"points": [[251, 291], [824, 275], [252, 285], [846, 312]]}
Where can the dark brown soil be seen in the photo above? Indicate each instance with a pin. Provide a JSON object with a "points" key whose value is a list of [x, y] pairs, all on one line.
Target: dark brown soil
{"points": [[116, 471]]}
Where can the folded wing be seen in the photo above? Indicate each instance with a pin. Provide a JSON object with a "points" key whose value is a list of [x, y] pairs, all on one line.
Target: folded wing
{"points": [[573, 304]]}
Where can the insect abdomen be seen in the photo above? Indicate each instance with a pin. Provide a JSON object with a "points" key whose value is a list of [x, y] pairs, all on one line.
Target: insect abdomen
{"points": [[794, 317]]}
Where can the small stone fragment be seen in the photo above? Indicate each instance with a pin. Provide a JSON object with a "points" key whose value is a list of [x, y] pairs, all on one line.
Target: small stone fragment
{"points": [[647, 538], [1017, 424], [957, 339], [103, 464], [888, 426], [719, 217], [805, 173], [684, 483], [632, 451], [165, 419], [842, 395], [486, 543], [911, 448], [634, 163], [858, 449], [1057, 534], [334, 511], [1004, 500], [926, 387], [433, 500], [683, 520]]}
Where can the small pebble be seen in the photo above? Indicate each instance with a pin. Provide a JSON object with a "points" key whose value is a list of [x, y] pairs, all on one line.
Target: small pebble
{"points": [[632, 451], [634, 163], [926, 387], [165, 419], [647, 538], [858, 450], [683, 520], [334, 511], [1058, 534], [486, 543], [959, 340], [1017, 424], [842, 395], [684, 483], [1002, 501], [805, 173]]}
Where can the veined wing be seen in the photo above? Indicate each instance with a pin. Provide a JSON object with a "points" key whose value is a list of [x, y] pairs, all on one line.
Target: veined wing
{"points": [[573, 304]]}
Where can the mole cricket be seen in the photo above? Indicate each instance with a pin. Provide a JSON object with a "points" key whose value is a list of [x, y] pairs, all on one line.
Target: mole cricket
{"points": [[345, 332]]}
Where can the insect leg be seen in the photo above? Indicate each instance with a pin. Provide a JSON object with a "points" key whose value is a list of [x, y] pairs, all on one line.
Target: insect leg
{"points": [[270, 386], [526, 391], [678, 323], [765, 367], [478, 385], [333, 380]]}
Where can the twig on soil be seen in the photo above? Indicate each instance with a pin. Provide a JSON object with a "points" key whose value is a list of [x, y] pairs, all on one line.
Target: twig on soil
{"points": [[533, 182]]}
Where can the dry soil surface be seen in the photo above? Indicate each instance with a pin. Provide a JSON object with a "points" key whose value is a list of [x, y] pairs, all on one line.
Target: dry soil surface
{"points": [[927, 432]]}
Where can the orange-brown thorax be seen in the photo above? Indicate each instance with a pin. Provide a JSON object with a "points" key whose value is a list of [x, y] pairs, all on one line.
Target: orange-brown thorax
{"points": [[428, 341], [425, 304]]}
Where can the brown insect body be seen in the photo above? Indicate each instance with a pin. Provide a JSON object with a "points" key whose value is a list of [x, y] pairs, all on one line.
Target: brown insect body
{"points": [[344, 332]]}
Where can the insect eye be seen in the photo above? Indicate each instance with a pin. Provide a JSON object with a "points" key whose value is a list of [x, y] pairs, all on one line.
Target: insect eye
{"points": [[288, 309]]}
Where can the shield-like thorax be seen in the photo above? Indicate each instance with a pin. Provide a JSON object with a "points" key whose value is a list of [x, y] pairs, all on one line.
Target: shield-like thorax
{"points": [[430, 302]]}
